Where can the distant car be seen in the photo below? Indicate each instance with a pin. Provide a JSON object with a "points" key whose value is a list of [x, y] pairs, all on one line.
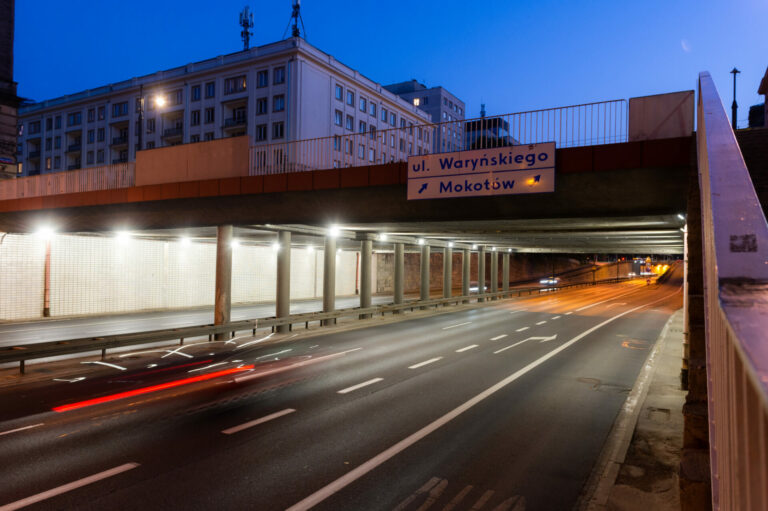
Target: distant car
{"points": [[549, 281]]}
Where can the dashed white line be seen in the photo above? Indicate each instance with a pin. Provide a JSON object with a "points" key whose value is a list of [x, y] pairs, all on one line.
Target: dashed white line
{"points": [[422, 364], [541, 322], [518, 310], [454, 326], [68, 487], [359, 385], [267, 418], [498, 337], [555, 317], [20, 429], [522, 329], [467, 348], [568, 313], [114, 366]]}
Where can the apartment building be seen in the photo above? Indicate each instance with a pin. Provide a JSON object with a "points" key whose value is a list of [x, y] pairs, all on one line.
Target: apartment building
{"points": [[442, 107], [276, 93]]}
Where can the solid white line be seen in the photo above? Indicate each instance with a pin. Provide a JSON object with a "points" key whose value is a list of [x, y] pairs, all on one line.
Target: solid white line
{"points": [[522, 329], [421, 364], [256, 422], [454, 326], [360, 385], [207, 367], [467, 348], [256, 341], [68, 487], [106, 364], [20, 429], [498, 337], [556, 317], [382, 457], [541, 322], [568, 313]]}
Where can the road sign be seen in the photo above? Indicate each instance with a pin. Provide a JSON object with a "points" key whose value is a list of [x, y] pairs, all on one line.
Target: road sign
{"points": [[483, 172]]}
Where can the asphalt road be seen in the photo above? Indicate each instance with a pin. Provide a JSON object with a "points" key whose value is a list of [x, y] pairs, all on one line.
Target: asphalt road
{"points": [[502, 407]]}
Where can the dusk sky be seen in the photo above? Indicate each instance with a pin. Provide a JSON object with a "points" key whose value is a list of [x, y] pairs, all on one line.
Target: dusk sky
{"points": [[512, 55]]}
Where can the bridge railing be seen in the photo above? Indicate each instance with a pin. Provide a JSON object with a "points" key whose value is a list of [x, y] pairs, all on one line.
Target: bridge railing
{"points": [[735, 262], [604, 122], [107, 177]]}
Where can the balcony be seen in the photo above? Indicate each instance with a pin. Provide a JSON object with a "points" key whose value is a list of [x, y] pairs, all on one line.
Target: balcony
{"points": [[120, 141], [235, 122], [33, 154], [173, 133], [74, 166], [74, 148], [120, 160]]}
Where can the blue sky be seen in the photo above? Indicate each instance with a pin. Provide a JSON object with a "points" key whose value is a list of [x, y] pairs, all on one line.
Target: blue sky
{"points": [[513, 55]]}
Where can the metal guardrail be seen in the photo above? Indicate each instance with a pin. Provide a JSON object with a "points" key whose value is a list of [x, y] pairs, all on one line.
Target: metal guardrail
{"points": [[604, 122], [735, 262], [108, 177], [23, 352]]}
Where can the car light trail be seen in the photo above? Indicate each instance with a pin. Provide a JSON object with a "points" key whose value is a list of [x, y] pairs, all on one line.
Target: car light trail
{"points": [[147, 390]]}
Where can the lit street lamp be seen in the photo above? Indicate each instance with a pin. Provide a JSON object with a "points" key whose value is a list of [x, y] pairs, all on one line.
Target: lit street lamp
{"points": [[160, 102]]}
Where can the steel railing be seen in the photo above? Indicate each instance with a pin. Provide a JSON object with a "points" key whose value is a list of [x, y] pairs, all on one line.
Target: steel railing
{"points": [[108, 177], [735, 262], [604, 122]]}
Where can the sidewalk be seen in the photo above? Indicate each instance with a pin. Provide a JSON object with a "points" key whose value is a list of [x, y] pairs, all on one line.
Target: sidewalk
{"points": [[641, 474]]}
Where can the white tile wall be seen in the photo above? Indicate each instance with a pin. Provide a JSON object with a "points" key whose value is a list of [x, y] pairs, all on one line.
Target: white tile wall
{"points": [[99, 275]]}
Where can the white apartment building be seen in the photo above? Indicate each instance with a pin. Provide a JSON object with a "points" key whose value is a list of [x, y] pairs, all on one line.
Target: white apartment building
{"points": [[276, 93]]}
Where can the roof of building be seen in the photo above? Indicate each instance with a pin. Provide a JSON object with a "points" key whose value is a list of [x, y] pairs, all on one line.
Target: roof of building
{"points": [[763, 89]]}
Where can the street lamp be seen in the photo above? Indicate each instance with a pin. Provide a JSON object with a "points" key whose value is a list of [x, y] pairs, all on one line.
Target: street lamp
{"points": [[160, 102]]}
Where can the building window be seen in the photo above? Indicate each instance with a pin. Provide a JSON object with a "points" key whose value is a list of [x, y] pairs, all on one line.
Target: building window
{"points": [[278, 130], [402, 145], [350, 123], [279, 75], [176, 97], [392, 140], [336, 143], [195, 93], [100, 134], [89, 158], [58, 122], [402, 123], [118, 109], [384, 114], [410, 149], [362, 127], [209, 136], [102, 113], [236, 84], [210, 89], [339, 92], [48, 144], [262, 78], [151, 125], [210, 114], [34, 127], [372, 109], [347, 146], [337, 117], [194, 138], [392, 119], [445, 116], [48, 163], [371, 155], [416, 101], [410, 128], [100, 156], [56, 162], [195, 118], [278, 103], [91, 136], [361, 151], [261, 106], [57, 142], [350, 98], [91, 114], [425, 101], [261, 132], [363, 104], [49, 124], [372, 130]]}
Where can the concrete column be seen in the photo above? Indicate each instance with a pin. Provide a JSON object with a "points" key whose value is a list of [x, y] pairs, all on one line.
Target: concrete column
{"points": [[366, 255], [686, 350], [465, 260], [447, 272], [424, 263], [494, 271], [399, 273], [223, 303], [283, 295], [481, 272], [505, 272], [329, 278]]}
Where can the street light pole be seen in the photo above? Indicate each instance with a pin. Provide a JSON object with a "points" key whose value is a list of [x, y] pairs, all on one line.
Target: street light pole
{"points": [[734, 106]]}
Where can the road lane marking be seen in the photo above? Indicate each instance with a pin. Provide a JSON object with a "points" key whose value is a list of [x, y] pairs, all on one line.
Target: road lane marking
{"points": [[68, 487], [267, 418], [359, 386], [522, 329], [498, 337], [424, 489], [20, 429], [556, 317], [518, 310], [541, 322], [481, 502], [266, 372], [422, 364], [361, 470], [454, 326], [207, 367], [461, 350], [458, 498], [540, 339], [254, 342], [568, 313], [114, 366]]}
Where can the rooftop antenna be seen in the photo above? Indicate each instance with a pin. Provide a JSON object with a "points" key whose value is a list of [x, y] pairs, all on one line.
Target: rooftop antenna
{"points": [[246, 21], [296, 19], [482, 109]]}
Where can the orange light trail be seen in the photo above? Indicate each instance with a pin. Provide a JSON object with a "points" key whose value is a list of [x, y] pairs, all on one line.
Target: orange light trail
{"points": [[147, 390]]}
